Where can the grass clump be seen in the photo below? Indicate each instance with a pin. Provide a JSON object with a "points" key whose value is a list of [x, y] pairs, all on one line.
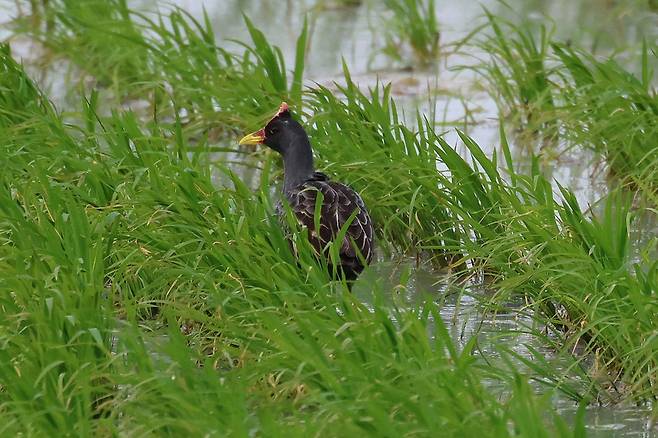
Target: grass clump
{"points": [[412, 22], [518, 73], [556, 90], [578, 269], [94, 32], [614, 113]]}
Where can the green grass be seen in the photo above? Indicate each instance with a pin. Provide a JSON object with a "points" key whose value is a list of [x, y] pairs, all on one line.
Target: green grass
{"points": [[412, 23], [275, 350], [558, 91], [529, 241], [94, 31], [516, 71], [171, 62], [134, 292], [614, 113]]}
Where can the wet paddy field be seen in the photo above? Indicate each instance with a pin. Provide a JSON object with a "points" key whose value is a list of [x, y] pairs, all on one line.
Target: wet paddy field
{"points": [[153, 287]]}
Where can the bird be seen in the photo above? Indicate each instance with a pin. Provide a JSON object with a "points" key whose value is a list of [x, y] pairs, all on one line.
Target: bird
{"points": [[301, 186]]}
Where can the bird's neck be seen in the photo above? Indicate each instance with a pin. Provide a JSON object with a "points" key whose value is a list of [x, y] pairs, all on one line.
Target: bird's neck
{"points": [[297, 163]]}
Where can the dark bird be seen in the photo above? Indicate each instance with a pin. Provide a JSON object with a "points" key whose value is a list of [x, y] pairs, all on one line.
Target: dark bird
{"points": [[301, 185]]}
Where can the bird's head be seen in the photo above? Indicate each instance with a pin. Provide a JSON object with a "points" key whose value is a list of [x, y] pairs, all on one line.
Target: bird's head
{"points": [[280, 133]]}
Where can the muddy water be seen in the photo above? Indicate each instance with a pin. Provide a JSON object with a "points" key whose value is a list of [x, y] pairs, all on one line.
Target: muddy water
{"points": [[354, 34]]}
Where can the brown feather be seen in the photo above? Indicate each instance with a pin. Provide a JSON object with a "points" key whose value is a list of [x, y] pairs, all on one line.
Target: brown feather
{"points": [[338, 204]]}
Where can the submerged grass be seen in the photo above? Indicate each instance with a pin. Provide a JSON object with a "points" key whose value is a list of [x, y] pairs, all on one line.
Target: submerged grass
{"points": [[131, 230]]}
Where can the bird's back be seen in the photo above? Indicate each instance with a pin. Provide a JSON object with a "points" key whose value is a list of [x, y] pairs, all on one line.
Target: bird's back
{"points": [[339, 204]]}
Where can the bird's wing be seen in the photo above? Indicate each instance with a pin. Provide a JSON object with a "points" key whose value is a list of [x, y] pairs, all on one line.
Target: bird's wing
{"points": [[338, 204]]}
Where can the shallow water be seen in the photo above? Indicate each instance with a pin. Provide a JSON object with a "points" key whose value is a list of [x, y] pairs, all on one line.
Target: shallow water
{"points": [[351, 33], [465, 317]]}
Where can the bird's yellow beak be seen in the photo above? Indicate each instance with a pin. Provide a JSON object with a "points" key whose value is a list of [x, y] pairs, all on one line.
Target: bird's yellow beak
{"points": [[257, 137]]}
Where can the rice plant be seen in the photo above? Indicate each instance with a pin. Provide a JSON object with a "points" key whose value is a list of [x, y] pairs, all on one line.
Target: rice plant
{"points": [[517, 71], [240, 348], [412, 23], [554, 89], [171, 58], [93, 31], [178, 307], [614, 113]]}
